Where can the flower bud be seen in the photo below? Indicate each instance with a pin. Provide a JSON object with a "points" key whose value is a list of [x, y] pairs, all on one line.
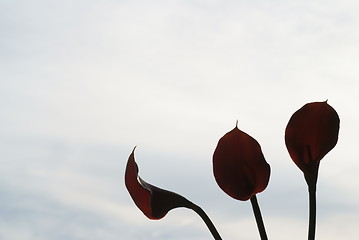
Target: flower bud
{"points": [[239, 166], [311, 133]]}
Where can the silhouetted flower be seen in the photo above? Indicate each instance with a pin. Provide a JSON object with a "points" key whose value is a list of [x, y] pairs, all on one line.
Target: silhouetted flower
{"points": [[239, 166], [311, 133], [154, 202]]}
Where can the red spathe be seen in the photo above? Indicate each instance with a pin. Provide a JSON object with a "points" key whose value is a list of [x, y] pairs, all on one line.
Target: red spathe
{"points": [[154, 202], [311, 133], [239, 166]]}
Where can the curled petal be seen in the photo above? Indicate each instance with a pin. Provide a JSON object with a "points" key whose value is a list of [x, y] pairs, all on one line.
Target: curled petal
{"points": [[239, 166], [311, 133], [154, 202]]}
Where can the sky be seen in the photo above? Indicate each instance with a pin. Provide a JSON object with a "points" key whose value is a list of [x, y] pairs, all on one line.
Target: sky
{"points": [[83, 82]]}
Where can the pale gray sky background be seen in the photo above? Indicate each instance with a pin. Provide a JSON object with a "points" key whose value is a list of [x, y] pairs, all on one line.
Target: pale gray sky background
{"points": [[83, 82]]}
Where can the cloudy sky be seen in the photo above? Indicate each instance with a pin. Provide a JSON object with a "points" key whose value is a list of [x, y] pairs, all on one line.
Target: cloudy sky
{"points": [[83, 82]]}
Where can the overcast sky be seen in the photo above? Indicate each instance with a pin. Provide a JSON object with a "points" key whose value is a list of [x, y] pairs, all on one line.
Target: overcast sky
{"points": [[83, 82]]}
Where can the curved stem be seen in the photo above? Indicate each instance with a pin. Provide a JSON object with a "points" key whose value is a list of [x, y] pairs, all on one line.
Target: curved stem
{"points": [[206, 219], [258, 216]]}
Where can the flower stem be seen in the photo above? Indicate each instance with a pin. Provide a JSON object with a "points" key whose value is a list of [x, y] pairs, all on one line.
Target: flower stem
{"points": [[312, 212], [258, 216], [207, 221], [311, 178]]}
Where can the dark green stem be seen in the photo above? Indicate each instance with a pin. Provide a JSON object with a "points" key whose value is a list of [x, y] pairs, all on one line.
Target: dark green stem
{"points": [[206, 219], [311, 177], [258, 216], [312, 212]]}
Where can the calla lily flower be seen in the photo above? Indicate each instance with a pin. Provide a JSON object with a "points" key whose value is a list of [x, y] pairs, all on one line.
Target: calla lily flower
{"points": [[239, 166], [154, 202], [311, 133]]}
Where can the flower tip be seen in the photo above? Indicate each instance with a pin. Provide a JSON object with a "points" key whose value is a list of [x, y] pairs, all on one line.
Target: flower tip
{"points": [[132, 155]]}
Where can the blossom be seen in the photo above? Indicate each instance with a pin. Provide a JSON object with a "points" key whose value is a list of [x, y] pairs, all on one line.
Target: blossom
{"points": [[239, 166], [154, 202], [311, 133]]}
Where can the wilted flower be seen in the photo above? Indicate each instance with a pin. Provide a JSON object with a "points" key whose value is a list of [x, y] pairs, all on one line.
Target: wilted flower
{"points": [[154, 202], [311, 133], [239, 166]]}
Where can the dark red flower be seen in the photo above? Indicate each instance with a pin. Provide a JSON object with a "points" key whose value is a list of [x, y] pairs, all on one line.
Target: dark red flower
{"points": [[239, 166], [154, 202], [311, 133]]}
